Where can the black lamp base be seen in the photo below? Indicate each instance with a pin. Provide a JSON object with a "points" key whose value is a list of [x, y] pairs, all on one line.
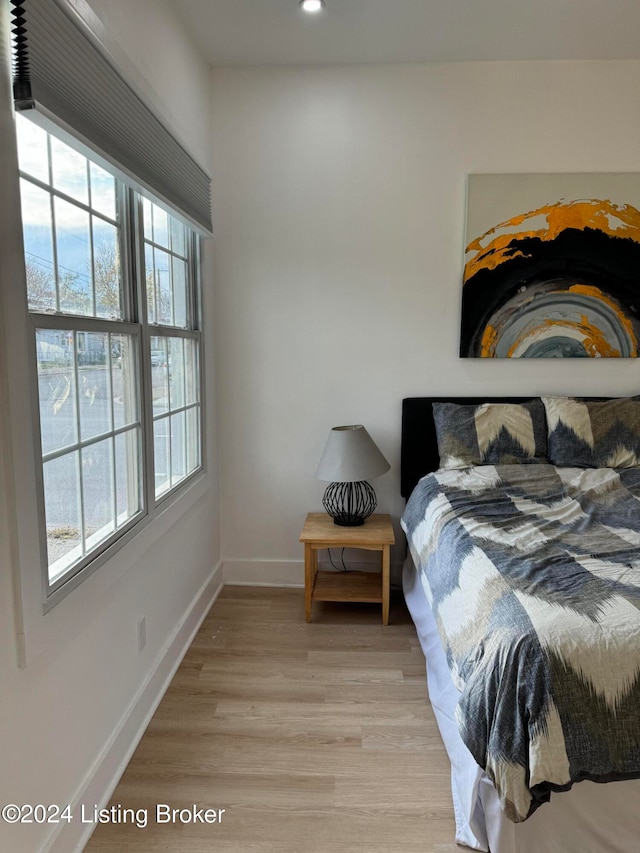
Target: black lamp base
{"points": [[349, 504], [348, 520]]}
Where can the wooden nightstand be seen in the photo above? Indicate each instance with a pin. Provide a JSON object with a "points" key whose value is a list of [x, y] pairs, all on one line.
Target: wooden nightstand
{"points": [[319, 531]]}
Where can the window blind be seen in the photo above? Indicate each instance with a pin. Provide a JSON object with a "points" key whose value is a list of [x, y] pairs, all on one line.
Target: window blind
{"points": [[60, 72]]}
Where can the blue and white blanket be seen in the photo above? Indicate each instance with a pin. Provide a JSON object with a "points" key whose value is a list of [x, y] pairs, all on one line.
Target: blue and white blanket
{"points": [[533, 576]]}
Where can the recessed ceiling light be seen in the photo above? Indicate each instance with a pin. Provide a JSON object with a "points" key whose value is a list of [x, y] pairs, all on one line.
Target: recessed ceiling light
{"points": [[311, 6]]}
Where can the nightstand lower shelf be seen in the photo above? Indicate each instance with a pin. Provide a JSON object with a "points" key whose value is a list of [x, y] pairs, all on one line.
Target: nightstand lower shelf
{"points": [[348, 586]]}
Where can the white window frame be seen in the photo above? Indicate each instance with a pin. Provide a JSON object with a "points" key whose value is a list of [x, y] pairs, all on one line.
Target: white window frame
{"points": [[194, 321], [134, 323]]}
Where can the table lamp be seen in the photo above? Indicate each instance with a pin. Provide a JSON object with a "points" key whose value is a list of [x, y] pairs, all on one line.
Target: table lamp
{"points": [[350, 458]]}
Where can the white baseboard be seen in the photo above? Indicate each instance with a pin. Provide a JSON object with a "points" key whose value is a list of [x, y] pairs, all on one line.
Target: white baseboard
{"points": [[284, 573], [102, 778]]}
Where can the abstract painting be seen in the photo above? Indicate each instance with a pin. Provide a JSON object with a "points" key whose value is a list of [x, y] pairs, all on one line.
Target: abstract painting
{"points": [[552, 266]]}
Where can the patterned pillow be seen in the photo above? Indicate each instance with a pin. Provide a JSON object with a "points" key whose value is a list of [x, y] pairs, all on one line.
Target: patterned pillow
{"points": [[490, 433], [593, 434]]}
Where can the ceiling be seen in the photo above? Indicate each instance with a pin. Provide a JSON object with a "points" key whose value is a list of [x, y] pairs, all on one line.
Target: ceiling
{"points": [[277, 32]]}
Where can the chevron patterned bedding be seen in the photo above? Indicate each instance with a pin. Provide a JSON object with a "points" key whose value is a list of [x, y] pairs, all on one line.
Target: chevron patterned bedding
{"points": [[533, 575]]}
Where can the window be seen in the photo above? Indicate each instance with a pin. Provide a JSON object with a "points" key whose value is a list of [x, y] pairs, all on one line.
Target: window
{"points": [[112, 288], [176, 410], [174, 350]]}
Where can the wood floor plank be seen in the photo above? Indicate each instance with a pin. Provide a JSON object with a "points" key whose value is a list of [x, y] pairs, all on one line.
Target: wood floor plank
{"points": [[393, 710], [312, 737]]}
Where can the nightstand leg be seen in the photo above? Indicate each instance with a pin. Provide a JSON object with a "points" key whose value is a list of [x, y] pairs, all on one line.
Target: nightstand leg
{"points": [[385, 584], [309, 576]]}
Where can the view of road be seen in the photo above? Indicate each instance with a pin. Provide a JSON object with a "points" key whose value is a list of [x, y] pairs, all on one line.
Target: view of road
{"points": [[102, 475]]}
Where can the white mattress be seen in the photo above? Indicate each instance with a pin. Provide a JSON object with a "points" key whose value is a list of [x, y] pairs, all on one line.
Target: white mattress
{"points": [[590, 818]]}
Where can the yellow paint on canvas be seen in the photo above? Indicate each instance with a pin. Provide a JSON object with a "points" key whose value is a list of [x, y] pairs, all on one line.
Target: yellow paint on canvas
{"points": [[595, 293], [593, 340], [492, 248], [489, 342]]}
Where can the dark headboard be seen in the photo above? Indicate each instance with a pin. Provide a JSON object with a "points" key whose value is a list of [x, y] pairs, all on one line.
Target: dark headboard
{"points": [[419, 449]]}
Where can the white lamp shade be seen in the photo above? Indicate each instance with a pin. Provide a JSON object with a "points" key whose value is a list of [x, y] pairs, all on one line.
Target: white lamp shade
{"points": [[351, 455]]}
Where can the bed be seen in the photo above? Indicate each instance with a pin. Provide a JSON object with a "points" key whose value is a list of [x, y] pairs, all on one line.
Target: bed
{"points": [[542, 793]]}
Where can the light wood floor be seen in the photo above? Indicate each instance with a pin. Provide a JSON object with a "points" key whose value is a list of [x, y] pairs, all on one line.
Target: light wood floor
{"points": [[313, 737]]}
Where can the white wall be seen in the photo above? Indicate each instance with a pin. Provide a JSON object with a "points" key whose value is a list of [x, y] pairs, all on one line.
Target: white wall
{"points": [[71, 715], [339, 215]]}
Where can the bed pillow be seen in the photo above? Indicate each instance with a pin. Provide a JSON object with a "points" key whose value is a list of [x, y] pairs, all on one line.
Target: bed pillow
{"points": [[490, 433], [593, 434]]}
